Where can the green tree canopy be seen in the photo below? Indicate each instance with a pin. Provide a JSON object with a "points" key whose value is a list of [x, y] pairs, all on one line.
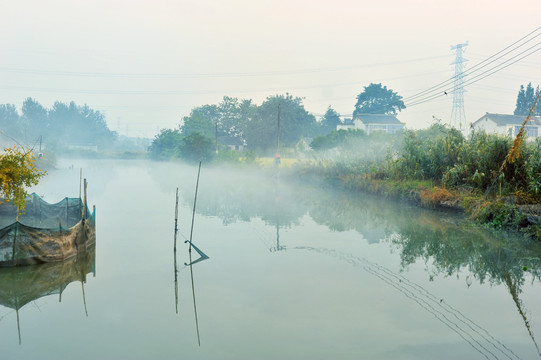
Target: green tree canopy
{"points": [[295, 122], [330, 120], [525, 99], [10, 123], [34, 117], [377, 99], [335, 138], [166, 145], [196, 147], [202, 120]]}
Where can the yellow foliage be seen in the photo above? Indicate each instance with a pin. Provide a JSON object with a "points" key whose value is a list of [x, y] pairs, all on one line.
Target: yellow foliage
{"points": [[17, 171]]}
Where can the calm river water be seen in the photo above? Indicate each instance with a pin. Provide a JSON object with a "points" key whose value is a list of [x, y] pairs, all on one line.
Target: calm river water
{"points": [[294, 272]]}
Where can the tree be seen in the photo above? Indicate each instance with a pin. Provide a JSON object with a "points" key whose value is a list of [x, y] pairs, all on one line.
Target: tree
{"points": [[295, 122], [17, 171], [10, 123], [336, 138], [77, 124], [330, 120], [377, 99], [233, 118], [525, 100], [196, 147], [34, 117], [166, 145], [203, 120]]}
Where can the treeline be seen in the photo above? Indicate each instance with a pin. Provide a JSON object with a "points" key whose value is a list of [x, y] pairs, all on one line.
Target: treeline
{"points": [[234, 124], [61, 124], [239, 124]]}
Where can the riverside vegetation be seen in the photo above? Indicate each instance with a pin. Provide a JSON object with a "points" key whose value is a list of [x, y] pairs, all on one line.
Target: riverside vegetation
{"points": [[439, 167]]}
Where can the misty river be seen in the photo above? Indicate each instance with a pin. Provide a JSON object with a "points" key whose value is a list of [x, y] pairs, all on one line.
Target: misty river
{"points": [[294, 271]]}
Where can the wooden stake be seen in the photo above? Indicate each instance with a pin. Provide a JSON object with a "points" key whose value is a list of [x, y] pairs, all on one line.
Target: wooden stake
{"points": [[176, 221], [194, 202]]}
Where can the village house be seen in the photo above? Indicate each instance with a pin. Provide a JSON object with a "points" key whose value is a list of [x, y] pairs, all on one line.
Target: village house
{"points": [[507, 125], [373, 122]]}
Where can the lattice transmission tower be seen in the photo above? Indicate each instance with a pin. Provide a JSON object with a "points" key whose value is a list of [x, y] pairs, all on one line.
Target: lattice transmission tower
{"points": [[458, 116]]}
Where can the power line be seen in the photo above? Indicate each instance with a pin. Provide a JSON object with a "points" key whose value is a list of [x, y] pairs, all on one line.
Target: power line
{"points": [[477, 66], [209, 75], [480, 76]]}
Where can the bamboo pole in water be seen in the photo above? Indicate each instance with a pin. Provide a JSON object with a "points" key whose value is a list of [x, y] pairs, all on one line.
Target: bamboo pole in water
{"points": [[194, 302], [194, 202], [84, 204], [80, 198], [176, 221]]}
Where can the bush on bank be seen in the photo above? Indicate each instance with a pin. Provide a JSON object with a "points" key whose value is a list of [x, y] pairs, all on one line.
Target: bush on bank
{"points": [[439, 167]]}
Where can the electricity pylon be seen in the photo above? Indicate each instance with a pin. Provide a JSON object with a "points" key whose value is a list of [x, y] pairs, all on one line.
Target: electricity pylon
{"points": [[458, 116]]}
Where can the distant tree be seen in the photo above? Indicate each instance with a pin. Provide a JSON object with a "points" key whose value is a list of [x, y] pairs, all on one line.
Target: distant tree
{"points": [[203, 120], [295, 122], [377, 99], [335, 138], [34, 117], [196, 147], [234, 115], [330, 120], [77, 124], [10, 121], [525, 99], [166, 145]]}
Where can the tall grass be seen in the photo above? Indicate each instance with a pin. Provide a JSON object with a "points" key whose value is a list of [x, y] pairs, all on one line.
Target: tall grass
{"points": [[442, 156]]}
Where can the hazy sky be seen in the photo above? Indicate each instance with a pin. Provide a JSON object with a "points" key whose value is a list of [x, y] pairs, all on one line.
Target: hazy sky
{"points": [[146, 64]]}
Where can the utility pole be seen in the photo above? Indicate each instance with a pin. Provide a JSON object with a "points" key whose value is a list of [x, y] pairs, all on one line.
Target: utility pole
{"points": [[458, 116], [277, 156], [216, 136]]}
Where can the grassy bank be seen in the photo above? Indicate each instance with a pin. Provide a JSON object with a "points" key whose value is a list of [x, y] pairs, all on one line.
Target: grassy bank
{"points": [[440, 168]]}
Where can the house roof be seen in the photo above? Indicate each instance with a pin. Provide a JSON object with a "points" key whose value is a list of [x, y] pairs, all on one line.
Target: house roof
{"points": [[379, 119], [503, 120]]}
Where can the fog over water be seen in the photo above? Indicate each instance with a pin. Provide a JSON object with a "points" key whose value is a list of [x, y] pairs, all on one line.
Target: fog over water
{"points": [[296, 270]]}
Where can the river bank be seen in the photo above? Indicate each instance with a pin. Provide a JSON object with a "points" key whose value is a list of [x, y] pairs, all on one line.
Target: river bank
{"points": [[508, 213]]}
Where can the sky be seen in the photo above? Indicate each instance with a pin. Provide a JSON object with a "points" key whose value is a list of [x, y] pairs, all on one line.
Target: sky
{"points": [[146, 64]]}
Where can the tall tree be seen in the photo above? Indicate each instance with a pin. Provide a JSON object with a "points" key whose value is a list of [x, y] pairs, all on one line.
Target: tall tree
{"points": [[233, 116], [330, 120], [166, 145], [377, 99], [525, 99], [10, 123], [203, 120], [295, 122], [196, 147], [34, 118]]}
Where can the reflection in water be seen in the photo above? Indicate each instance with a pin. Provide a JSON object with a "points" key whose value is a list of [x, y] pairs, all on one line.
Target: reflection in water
{"points": [[512, 285], [444, 241], [475, 335], [22, 285], [202, 256], [498, 259], [277, 211]]}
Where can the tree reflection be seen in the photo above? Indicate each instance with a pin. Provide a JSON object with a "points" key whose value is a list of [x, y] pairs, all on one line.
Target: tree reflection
{"points": [[445, 240]]}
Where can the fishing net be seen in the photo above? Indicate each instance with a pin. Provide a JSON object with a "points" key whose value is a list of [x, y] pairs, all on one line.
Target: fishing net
{"points": [[45, 232]]}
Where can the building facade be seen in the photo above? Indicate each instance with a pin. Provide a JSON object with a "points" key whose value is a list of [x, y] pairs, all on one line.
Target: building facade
{"points": [[373, 122]]}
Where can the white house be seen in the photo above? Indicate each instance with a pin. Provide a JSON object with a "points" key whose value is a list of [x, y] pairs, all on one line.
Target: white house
{"points": [[373, 122], [508, 125]]}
